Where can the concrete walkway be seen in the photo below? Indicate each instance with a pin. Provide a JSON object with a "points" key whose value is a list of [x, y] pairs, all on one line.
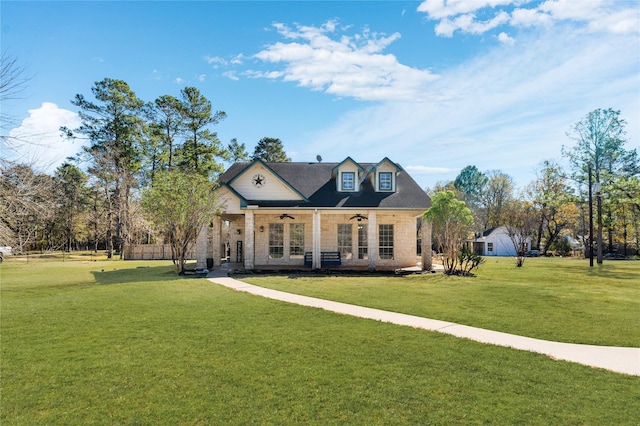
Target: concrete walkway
{"points": [[619, 360]]}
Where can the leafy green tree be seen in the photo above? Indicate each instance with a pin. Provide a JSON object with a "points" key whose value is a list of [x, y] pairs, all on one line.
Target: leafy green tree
{"points": [[179, 204], [553, 198], [451, 222], [270, 150], [113, 126], [599, 147], [201, 147]]}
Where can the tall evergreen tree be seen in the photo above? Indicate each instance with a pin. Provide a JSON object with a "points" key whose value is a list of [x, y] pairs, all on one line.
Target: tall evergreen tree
{"points": [[113, 126], [270, 150], [237, 151], [71, 191], [201, 146], [163, 129]]}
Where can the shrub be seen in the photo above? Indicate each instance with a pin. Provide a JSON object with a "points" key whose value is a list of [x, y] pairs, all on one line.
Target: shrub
{"points": [[468, 261]]}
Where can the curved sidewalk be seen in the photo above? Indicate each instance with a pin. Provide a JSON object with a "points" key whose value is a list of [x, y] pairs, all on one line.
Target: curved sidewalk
{"points": [[619, 360]]}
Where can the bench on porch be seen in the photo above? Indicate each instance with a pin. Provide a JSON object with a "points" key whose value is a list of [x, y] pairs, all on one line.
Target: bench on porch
{"points": [[327, 258]]}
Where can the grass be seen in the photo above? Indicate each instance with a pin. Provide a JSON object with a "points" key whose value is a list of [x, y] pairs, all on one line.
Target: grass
{"points": [[549, 298], [112, 342]]}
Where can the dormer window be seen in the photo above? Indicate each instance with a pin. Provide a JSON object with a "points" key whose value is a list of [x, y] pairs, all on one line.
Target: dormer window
{"points": [[384, 175], [348, 176], [385, 181], [348, 181]]}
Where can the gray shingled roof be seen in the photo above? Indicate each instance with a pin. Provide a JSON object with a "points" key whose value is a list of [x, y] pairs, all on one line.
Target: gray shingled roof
{"points": [[316, 183]]}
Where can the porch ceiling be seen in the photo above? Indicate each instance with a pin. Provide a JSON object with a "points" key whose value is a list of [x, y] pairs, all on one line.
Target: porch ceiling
{"points": [[232, 217]]}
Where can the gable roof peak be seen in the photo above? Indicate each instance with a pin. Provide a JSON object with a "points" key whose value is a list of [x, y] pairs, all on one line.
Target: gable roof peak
{"points": [[348, 160], [386, 160]]}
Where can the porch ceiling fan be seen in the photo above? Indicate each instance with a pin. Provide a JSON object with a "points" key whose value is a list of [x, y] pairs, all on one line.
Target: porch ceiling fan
{"points": [[359, 217], [286, 216]]}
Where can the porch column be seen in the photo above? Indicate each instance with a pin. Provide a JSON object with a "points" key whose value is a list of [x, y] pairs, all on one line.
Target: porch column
{"points": [[201, 247], [425, 231], [317, 238], [216, 240], [249, 240], [372, 240]]}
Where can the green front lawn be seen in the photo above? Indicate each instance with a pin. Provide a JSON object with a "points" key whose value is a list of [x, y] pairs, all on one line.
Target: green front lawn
{"points": [[114, 342], [549, 298]]}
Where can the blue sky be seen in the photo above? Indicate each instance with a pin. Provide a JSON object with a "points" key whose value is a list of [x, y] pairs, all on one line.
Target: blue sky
{"points": [[433, 85]]}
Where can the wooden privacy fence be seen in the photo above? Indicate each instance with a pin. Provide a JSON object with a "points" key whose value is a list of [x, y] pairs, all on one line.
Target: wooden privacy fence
{"points": [[152, 252]]}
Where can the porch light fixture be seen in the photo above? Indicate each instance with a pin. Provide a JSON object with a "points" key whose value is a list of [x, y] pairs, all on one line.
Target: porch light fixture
{"points": [[286, 216], [359, 217], [239, 231], [262, 229]]}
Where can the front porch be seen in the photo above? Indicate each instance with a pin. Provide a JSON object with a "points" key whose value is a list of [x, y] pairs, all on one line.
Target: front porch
{"points": [[312, 240]]}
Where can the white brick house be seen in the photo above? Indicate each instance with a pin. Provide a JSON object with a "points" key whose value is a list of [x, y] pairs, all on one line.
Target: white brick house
{"points": [[314, 215]]}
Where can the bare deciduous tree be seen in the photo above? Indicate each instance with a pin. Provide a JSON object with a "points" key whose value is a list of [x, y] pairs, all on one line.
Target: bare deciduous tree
{"points": [[26, 205]]}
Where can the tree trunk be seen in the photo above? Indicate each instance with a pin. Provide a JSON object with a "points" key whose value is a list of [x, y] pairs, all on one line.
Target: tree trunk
{"points": [[540, 230]]}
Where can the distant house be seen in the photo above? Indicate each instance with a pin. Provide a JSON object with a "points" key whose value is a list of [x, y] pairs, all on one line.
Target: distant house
{"points": [[496, 242], [297, 215]]}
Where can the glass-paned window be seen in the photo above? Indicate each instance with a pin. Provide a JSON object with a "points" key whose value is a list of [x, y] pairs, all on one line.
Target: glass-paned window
{"points": [[489, 247], [363, 242], [296, 240], [385, 182], [345, 241], [348, 181], [276, 240], [385, 241]]}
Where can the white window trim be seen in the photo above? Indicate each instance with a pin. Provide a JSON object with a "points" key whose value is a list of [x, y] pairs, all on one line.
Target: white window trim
{"points": [[391, 181], [353, 181]]}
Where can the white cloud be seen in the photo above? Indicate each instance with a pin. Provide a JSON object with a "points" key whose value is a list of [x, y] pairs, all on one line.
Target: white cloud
{"points": [[607, 16], [439, 9], [237, 60], [215, 60], [345, 65], [179, 80], [468, 24], [504, 38], [574, 10], [530, 18], [231, 75], [38, 140], [622, 22], [430, 170]]}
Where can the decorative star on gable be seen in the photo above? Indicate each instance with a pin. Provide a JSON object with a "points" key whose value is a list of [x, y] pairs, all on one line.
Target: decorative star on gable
{"points": [[258, 180]]}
